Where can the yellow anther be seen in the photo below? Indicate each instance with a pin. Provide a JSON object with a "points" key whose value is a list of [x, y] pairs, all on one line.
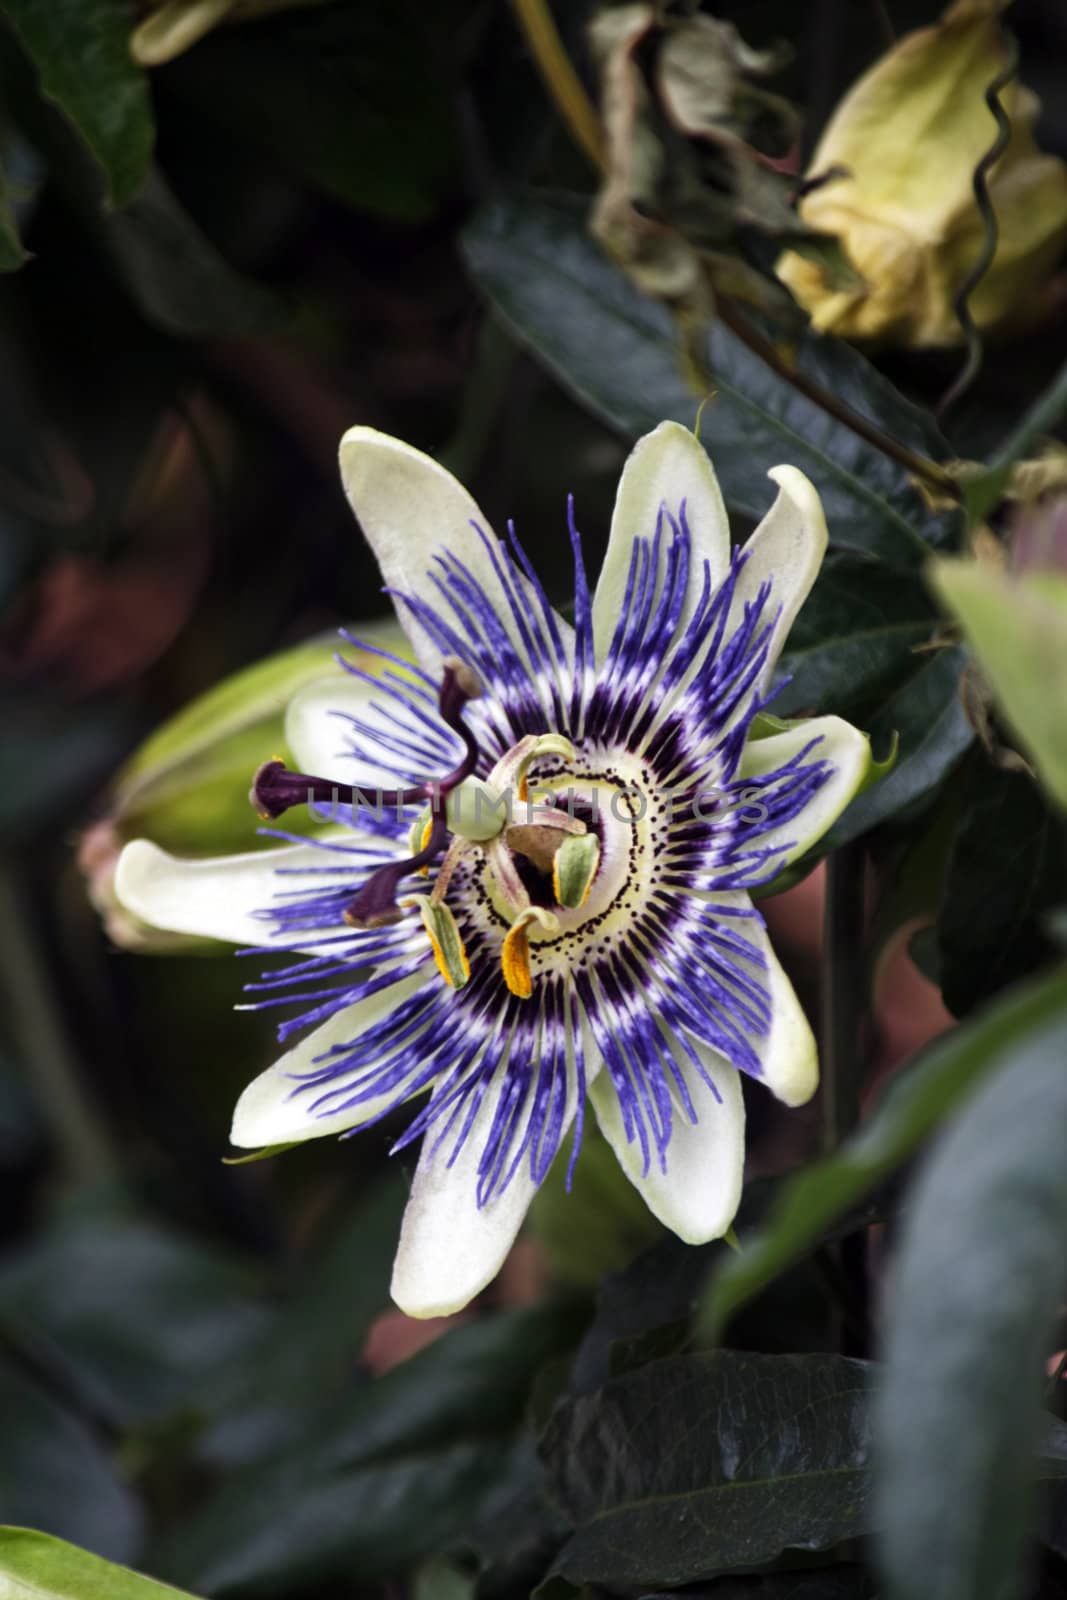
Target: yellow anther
{"points": [[419, 837], [515, 952]]}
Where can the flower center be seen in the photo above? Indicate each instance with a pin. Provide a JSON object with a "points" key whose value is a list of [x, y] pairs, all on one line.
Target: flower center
{"points": [[540, 853]]}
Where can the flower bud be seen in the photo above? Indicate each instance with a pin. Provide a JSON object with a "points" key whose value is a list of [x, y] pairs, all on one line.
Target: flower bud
{"points": [[186, 787], [909, 136]]}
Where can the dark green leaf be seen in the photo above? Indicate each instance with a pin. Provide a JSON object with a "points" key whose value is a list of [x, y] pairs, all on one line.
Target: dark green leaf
{"points": [[81, 51], [372, 1520], [432, 1426], [659, 1291], [917, 1100], [350, 96], [519, 1543], [177, 277], [1008, 868], [978, 1279], [42, 1568], [618, 352], [927, 715], [854, 639], [701, 1463], [56, 1476], [135, 1317]]}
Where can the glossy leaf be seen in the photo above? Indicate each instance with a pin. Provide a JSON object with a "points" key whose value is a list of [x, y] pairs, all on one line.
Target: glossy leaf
{"points": [[700, 1463], [917, 1101], [977, 1283], [80, 49], [35, 1566], [56, 1475], [1007, 871], [618, 352], [854, 640], [926, 715]]}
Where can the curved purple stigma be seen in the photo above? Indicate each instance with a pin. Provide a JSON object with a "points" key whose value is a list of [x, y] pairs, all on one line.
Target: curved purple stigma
{"points": [[375, 905], [275, 789]]}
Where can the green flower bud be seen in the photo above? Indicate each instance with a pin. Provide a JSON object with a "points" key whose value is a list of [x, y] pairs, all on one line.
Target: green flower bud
{"points": [[186, 787]]}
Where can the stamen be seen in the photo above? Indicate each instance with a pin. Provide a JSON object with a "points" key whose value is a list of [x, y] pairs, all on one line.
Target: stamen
{"points": [[502, 866], [453, 856], [574, 868], [538, 844], [419, 836], [515, 952], [510, 771], [446, 941]]}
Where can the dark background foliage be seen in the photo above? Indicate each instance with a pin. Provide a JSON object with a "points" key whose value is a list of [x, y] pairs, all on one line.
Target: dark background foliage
{"points": [[369, 212]]}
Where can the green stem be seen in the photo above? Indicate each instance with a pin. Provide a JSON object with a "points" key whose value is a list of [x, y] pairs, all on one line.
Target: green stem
{"points": [[42, 1044]]}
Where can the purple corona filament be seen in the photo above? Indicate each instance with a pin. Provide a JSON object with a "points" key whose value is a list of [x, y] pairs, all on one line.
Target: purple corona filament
{"points": [[275, 790]]}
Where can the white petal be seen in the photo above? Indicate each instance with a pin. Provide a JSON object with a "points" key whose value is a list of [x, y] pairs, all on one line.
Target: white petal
{"points": [[840, 743], [698, 1195], [667, 466], [411, 509], [324, 742], [787, 547], [275, 1110], [217, 897], [787, 1055], [449, 1248]]}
